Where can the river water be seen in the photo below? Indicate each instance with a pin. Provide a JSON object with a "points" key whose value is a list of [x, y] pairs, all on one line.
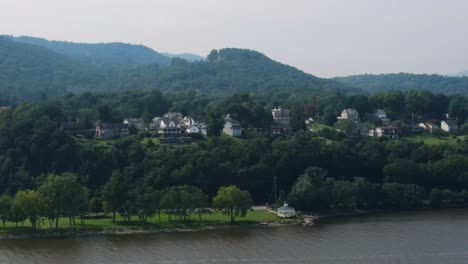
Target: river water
{"points": [[417, 237]]}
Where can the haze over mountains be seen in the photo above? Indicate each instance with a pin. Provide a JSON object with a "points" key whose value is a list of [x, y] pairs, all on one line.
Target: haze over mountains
{"points": [[406, 81], [103, 53], [460, 74], [31, 68]]}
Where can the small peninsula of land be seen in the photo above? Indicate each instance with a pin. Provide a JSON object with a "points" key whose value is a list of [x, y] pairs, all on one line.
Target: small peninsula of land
{"points": [[103, 224]]}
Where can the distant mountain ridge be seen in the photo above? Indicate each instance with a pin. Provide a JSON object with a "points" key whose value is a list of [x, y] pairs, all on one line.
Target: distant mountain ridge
{"points": [[186, 56], [32, 68], [373, 83], [30, 71], [101, 53], [460, 74]]}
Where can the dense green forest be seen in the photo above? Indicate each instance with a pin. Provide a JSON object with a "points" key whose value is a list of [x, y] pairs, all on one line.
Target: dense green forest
{"points": [[32, 68], [33, 72], [99, 54], [405, 82], [317, 171]]}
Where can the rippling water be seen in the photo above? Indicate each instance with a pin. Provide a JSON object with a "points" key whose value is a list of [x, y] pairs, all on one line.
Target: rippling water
{"points": [[421, 237]]}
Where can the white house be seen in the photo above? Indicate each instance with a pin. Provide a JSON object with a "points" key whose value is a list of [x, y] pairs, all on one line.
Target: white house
{"points": [[193, 129], [232, 127], [381, 115], [280, 121], [4, 109], [280, 116], [138, 123], [449, 126], [187, 121], [349, 114], [309, 121], [429, 126], [389, 132], [286, 211], [169, 126]]}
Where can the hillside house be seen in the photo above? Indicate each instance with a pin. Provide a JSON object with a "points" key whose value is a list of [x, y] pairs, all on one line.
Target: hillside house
{"points": [[280, 116], [4, 109], [381, 115], [170, 125], [388, 132], [280, 121], [110, 130], [155, 123], [349, 114], [232, 127], [174, 128], [187, 121], [449, 126], [429, 127], [137, 123], [193, 129]]}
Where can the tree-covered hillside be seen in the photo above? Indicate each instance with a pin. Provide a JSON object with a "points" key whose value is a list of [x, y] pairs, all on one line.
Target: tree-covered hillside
{"points": [[406, 81], [31, 72], [185, 56], [228, 71], [101, 53]]}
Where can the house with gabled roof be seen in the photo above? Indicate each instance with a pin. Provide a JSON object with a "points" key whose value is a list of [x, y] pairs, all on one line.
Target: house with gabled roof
{"points": [[110, 130], [449, 126], [381, 115], [349, 114], [232, 127], [429, 127], [137, 123]]}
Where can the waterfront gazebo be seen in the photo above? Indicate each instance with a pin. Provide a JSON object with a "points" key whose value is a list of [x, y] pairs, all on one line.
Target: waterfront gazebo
{"points": [[286, 211]]}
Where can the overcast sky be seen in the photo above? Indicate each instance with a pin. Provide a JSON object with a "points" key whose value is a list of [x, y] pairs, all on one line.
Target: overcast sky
{"points": [[323, 37]]}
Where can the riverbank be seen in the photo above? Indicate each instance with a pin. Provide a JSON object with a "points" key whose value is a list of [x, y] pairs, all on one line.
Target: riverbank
{"points": [[103, 225], [310, 219]]}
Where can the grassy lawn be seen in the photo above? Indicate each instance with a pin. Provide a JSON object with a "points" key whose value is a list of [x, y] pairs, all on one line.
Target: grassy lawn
{"points": [[146, 140], [105, 223], [97, 142], [319, 126], [433, 140]]}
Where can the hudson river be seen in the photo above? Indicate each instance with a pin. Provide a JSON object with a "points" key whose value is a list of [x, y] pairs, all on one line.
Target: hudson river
{"points": [[417, 237]]}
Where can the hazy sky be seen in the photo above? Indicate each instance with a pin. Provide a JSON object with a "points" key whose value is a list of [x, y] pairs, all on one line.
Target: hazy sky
{"points": [[322, 37]]}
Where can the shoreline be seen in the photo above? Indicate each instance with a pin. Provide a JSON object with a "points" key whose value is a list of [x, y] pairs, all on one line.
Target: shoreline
{"points": [[305, 220], [322, 218], [134, 230]]}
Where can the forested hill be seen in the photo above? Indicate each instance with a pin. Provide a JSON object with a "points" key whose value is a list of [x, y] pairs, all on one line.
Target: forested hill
{"points": [[31, 71], [228, 71], [101, 53], [406, 81], [185, 56], [460, 74]]}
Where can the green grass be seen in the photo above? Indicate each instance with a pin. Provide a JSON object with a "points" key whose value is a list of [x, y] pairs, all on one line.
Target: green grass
{"points": [[433, 140], [105, 223], [318, 126], [146, 140]]}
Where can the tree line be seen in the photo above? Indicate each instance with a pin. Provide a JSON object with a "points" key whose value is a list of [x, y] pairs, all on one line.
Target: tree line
{"points": [[33, 146], [63, 196]]}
